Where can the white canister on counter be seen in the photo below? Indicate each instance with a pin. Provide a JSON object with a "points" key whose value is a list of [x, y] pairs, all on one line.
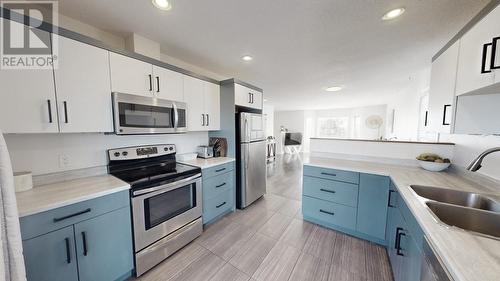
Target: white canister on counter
{"points": [[23, 181]]}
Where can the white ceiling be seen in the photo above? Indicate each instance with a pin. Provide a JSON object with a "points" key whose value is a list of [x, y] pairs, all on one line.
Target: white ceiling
{"points": [[299, 47]]}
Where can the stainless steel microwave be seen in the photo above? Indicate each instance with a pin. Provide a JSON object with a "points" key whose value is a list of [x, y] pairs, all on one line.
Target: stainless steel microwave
{"points": [[139, 115]]}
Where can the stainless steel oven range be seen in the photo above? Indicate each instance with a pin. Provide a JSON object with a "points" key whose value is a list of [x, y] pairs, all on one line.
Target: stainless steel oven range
{"points": [[166, 200]]}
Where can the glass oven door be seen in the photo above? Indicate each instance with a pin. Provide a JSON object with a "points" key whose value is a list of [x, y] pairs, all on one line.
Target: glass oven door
{"points": [[164, 206], [161, 210]]}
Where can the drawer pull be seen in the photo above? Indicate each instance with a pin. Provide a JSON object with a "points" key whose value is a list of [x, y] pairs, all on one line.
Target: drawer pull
{"points": [[72, 215], [326, 190], [329, 174], [220, 185], [68, 251], [220, 205], [220, 170], [326, 212], [390, 197]]}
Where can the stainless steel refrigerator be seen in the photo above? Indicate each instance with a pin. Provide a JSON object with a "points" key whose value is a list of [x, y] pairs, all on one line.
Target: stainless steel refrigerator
{"points": [[251, 162]]}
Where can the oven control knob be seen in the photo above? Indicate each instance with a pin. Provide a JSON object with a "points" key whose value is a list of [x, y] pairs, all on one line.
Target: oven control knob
{"points": [[117, 154], [166, 149], [124, 153], [171, 148]]}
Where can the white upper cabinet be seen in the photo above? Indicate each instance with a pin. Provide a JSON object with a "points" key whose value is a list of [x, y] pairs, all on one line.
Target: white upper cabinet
{"points": [[28, 101], [203, 101], [442, 90], [474, 64], [131, 76], [247, 97], [212, 105], [83, 88], [195, 99], [168, 84]]}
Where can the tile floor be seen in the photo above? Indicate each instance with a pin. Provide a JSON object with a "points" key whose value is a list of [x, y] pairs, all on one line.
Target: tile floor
{"points": [[270, 241]]}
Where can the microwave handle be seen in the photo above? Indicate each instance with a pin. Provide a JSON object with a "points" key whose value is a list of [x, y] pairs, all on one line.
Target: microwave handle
{"points": [[176, 116]]}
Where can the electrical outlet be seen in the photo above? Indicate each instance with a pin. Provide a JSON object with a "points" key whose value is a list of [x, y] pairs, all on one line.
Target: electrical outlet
{"points": [[63, 161]]}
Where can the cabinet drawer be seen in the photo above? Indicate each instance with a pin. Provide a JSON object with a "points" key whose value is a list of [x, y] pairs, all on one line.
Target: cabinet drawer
{"points": [[214, 185], [331, 174], [333, 191], [34, 225], [217, 205], [329, 213], [217, 170]]}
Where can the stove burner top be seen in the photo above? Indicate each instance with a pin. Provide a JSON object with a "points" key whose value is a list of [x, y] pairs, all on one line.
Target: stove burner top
{"points": [[147, 171]]}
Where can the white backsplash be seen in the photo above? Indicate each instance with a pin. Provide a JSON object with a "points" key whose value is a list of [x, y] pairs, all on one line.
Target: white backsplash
{"points": [[51, 153]]}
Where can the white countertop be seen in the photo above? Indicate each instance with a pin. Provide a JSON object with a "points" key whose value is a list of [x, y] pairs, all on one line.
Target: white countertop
{"points": [[51, 196], [208, 163], [467, 257]]}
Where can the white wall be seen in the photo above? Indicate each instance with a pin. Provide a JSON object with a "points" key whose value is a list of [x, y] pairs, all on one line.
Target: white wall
{"points": [[40, 153], [268, 112], [305, 122], [468, 147]]}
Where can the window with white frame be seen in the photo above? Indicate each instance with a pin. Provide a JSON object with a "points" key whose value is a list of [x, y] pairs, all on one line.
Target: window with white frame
{"points": [[333, 127]]}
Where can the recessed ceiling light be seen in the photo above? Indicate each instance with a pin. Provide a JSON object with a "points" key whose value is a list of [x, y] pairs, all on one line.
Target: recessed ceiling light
{"points": [[247, 58], [333, 89], [392, 14], [162, 4]]}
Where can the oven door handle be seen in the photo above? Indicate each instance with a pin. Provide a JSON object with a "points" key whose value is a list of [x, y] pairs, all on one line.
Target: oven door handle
{"points": [[166, 187]]}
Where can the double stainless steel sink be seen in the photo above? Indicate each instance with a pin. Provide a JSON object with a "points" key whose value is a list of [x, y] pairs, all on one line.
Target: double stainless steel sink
{"points": [[470, 211]]}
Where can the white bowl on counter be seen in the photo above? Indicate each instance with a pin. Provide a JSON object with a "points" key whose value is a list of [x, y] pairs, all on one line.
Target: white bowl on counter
{"points": [[433, 166]]}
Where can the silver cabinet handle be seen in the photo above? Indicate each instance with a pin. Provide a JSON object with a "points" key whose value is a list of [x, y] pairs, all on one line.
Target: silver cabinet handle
{"points": [[203, 119]]}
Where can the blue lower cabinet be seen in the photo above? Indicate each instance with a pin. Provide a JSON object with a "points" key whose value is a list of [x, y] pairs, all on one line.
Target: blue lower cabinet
{"points": [[104, 247], [404, 251], [219, 192], [328, 213], [217, 205], [86, 248], [372, 205], [51, 257]]}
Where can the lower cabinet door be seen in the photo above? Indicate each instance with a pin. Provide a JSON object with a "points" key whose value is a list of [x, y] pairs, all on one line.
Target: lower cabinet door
{"points": [[51, 257], [372, 205], [104, 246]]}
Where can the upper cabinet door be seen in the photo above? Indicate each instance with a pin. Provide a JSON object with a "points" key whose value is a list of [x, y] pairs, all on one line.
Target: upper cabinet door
{"points": [[195, 100], [83, 88], [471, 62], [131, 76], [442, 90], [247, 97], [168, 84], [212, 105], [28, 101]]}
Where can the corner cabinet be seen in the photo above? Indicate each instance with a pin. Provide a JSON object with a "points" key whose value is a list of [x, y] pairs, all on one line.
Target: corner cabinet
{"points": [[203, 101], [404, 237], [442, 90], [86, 241]]}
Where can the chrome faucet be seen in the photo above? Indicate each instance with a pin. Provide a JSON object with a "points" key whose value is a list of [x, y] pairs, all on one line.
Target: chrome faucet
{"points": [[476, 164]]}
